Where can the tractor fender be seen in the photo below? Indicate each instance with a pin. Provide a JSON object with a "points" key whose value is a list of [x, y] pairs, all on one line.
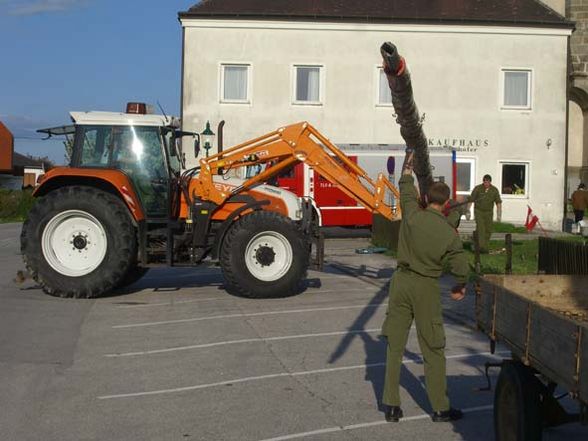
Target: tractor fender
{"points": [[115, 182]]}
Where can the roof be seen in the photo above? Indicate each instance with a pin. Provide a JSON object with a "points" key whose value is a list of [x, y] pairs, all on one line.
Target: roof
{"points": [[24, 161], [488, 12], [124, 119]]}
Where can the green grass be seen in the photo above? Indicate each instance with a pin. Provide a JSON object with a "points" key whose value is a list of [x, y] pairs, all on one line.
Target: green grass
{"points": [[15, 205], [524, 255], [502, 227]]}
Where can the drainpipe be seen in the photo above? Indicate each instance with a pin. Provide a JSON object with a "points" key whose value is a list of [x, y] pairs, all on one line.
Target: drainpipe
{"points": [[568, 81]]}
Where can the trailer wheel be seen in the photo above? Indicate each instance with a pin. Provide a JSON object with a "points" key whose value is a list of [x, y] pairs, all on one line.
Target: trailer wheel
{"points": [[264, 255], [517, 405], [78, 242]]}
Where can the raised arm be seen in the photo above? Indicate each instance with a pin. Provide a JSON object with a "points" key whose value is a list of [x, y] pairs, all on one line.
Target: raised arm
{"points": [[409, 200]]}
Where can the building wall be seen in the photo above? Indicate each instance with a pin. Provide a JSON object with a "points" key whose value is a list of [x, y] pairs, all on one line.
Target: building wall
{"points": [[577, 11], [456, 74]]}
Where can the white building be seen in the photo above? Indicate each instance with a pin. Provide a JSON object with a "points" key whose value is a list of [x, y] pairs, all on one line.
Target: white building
{"points": [[490, 77]]}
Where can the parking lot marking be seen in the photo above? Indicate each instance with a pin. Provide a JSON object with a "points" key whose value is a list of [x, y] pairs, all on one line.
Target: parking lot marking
{"points": [[252, 314], [364, 425], [174, 302], [222, 296], [245, 340], [283, 374]]}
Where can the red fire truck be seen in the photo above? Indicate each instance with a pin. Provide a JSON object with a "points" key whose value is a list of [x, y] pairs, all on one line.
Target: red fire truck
{"points": [[338, 209]]}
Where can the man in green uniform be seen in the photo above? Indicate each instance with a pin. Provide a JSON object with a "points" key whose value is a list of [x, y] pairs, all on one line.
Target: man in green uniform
{"points": [[427, 242], [484, 196]]}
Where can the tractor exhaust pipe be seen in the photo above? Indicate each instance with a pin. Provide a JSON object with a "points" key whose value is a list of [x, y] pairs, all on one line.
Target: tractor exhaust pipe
{"points": [[219, 131]]}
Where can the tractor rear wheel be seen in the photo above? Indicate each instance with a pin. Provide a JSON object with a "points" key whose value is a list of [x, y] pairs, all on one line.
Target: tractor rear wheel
{"points": [[264, 255], [78, 242]]}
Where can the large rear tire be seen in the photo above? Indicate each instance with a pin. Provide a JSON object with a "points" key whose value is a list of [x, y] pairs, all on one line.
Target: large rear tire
{"points": [[264, 255], [78, 242], [517, 405]]}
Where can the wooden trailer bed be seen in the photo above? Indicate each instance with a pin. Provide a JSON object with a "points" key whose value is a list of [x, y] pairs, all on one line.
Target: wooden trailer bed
{"points": [[543, 320]]}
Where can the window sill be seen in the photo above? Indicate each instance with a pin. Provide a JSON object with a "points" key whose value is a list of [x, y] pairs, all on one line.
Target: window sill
{"points": [[247, 102], [307, 103], [514, 196], [524, 109]]}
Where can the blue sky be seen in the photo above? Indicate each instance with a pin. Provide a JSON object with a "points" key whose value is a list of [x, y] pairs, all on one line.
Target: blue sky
{"points": [[62, 55]]}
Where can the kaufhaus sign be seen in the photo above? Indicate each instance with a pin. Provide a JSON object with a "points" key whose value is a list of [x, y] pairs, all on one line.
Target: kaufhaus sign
{"points": [[459, 144]]}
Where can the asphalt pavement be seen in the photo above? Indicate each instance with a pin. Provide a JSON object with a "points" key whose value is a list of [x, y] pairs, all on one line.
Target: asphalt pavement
{"points": [[175, 357]]}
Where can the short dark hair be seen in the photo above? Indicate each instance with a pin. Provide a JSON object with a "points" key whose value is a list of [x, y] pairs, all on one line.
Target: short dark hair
{"points": [[438, 193], [487, 178], [582, 185]]}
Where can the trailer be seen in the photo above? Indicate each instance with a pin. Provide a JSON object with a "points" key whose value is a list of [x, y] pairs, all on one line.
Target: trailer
{"points": [[543, 321]]}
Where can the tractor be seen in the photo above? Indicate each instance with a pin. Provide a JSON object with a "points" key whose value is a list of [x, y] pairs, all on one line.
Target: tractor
{"points": [[127, 202]]}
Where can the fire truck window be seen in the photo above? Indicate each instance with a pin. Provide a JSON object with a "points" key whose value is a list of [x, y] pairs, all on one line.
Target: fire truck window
{"points": [[288, 173], [96, 146]]}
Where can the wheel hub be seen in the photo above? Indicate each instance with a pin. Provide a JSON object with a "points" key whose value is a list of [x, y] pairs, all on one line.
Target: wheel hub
{"points": [[80, 241], [265, 255], [74, 243], [268, 256]]}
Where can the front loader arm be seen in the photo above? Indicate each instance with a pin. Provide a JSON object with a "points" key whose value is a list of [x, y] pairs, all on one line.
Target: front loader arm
{"points": [[285, 147]]}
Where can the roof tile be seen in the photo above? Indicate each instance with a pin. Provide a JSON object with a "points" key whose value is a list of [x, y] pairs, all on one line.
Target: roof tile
{"points": [[511, 12]]}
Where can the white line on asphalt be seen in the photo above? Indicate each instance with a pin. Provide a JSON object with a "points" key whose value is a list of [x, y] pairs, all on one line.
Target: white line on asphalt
{"points": [[282, 374], [341, 276], [222, 296], [174, 302], [245, 340], [364, 425], [254, 314]]}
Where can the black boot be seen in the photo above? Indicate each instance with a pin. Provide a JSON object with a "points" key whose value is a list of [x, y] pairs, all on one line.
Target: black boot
{"points": [[393, 414], [447, 415]]}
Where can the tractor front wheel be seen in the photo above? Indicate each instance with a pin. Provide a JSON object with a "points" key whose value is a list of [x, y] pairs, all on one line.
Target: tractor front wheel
{"points": [[264, 255], [78, 242]]}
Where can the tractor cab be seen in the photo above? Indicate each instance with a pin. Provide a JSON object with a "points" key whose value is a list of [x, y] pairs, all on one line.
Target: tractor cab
{"points": [[143, 146]]}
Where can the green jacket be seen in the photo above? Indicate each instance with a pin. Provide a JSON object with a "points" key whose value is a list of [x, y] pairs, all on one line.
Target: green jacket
{"points": [[483, 198], [427, 241]]}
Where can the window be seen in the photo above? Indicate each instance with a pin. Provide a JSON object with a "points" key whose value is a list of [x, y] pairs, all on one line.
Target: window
{"points": [[96, 145], [516, 89], [307, 84], [384, 93], [235, 83], [515, 178]]}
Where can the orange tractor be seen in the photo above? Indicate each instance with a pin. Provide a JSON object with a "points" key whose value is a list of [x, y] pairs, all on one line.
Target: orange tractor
{"points": [[127, 202]]}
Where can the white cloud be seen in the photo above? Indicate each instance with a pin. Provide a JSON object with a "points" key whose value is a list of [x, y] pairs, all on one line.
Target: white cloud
{"points": [[34, 7]]}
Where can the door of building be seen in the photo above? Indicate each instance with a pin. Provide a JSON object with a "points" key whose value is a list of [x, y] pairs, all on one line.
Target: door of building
{"points": [[466, 178]]}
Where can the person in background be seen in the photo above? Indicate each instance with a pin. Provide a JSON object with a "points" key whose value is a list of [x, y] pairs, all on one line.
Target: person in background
{"points": [[426, 244], [580, 202], [484, 196]]}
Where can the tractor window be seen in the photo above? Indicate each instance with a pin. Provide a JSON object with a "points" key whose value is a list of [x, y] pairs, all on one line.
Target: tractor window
{"points": [[138, 152], [96, 146], [175, 162]]}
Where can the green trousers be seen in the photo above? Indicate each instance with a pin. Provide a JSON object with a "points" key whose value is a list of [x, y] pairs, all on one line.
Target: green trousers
{"points": [[484, 228], [415, 297]]}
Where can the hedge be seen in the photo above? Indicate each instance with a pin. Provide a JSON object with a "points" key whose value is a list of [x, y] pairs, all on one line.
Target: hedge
{"points": [[15, 204]]}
